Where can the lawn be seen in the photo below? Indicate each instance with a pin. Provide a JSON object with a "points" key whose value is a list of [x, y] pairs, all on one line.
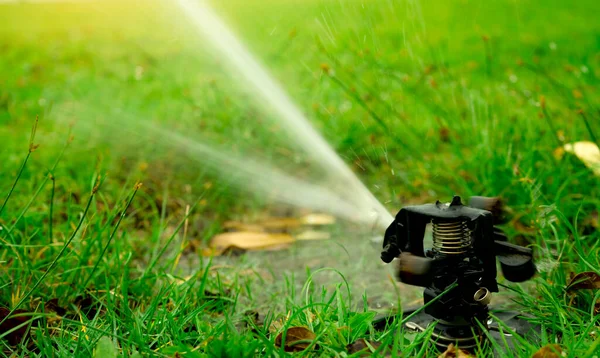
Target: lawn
{"points": [[422, 99]]}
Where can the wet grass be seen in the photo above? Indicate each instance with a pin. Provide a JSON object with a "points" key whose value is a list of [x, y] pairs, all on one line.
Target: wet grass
{"points": [[423, 99]]}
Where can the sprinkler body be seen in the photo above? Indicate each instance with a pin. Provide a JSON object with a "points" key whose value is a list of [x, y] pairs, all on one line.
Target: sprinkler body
{"points": [[458, 273]]}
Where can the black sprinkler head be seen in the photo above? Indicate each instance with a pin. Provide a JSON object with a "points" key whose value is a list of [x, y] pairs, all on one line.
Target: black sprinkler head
{"points": [[458, 272]]}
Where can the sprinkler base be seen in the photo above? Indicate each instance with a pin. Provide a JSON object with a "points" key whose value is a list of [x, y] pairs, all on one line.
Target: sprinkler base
{"points": [[501, 325]]}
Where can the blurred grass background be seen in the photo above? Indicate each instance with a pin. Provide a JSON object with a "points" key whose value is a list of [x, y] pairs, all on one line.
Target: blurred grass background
{"points": [[423, 99]]}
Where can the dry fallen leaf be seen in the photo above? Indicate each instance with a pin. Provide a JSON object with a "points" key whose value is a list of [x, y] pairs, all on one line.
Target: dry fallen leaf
{"points": [[87, 305], [297, 339], [362, 346], [317, 219], [209, 252], [313, 235], [279, 223], [445, 134], [267, 234], [247, 240], [584, 281], [17, 319], [240, 226], [455, 352], [548, 351], [587, 152], [52, 305]]}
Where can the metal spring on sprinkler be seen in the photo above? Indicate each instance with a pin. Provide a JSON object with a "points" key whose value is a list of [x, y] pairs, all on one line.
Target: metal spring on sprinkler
{"points": [[451, 238]]}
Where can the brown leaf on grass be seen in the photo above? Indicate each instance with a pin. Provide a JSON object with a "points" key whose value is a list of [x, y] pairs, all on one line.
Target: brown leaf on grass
{"points": [[270, 224], [247, 240], [209, 252], [11, 323], [53, 306], [280, 223], [363, 347], [587, 152], [87, 305], [445, 134], [455, 352], [240, 226], [232, 251], [267, 234], [584, 281], [297, 339], [548, 351]]}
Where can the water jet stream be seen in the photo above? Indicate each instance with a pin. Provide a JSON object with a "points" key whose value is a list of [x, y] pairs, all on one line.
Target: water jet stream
{"points": [[239, 59], [122, 130], [263, 178]]}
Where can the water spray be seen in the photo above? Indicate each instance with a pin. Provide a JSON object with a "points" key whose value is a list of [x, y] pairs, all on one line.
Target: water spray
{"points": [[262, 85], [459, 272]]}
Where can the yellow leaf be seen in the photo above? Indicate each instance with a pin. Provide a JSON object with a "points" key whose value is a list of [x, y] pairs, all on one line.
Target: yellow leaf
{"points": [[280, 223], [248, 240], [240, 226], [455, 352], [208, 252], [549, 351], [587, 152]]}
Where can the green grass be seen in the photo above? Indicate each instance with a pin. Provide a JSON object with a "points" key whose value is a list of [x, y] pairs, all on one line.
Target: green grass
{"points": [[424, 100]]}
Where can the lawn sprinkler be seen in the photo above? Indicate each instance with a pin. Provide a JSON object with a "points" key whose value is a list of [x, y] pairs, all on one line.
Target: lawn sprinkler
{"points": [[459, 271]]}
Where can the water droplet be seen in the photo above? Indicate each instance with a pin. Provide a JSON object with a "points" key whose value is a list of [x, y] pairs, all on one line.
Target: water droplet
{"points": [[346, 106]]}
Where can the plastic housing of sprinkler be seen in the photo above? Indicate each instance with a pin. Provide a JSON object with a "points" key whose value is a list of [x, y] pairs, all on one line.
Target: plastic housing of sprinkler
{"points": [[466, 245]]}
